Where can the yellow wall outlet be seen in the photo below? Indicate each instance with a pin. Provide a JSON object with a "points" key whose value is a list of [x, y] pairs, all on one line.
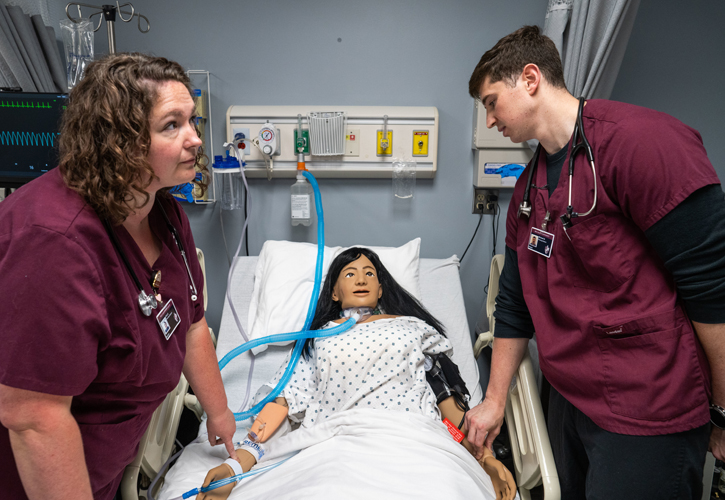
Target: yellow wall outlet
{"points": [[385, 151], [420, 143]]}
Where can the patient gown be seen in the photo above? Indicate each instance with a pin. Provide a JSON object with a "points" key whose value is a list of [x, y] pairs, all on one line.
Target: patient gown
{"points": [[376, 365]]}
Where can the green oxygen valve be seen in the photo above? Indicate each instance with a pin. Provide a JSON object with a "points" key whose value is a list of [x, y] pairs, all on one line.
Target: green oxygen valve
{"points": [[302, 138]]}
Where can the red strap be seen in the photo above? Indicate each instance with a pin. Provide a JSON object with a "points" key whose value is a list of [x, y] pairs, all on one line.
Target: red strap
{"points": [[457, 435]]}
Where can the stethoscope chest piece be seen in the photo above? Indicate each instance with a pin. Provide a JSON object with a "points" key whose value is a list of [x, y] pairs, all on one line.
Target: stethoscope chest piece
{"points": [[147, 303], [524, 209]]}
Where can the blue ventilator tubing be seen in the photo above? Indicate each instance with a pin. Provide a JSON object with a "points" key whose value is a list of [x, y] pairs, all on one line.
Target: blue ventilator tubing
{"points": [[305, 333]]}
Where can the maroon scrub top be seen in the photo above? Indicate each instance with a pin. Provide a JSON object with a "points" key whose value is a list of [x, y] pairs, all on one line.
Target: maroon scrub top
{"points": [[613, 338], [72, 325]]}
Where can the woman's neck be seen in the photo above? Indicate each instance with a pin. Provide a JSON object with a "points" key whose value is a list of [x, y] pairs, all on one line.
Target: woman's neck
{"points": [[137, 225]]}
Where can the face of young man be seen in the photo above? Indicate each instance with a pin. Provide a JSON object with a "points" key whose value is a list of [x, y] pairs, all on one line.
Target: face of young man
{"points": [[508, 108]]}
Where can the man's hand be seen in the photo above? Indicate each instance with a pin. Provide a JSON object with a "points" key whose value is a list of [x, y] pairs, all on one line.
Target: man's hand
{"points": [[717, 443], [217, 473], [221, 429], [484, 424]]}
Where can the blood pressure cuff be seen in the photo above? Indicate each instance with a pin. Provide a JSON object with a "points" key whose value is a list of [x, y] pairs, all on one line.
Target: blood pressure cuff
{"points": [[445, 380]]}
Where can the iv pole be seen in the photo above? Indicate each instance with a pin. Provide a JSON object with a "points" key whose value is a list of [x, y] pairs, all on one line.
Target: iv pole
{"points": [[109, 14]]}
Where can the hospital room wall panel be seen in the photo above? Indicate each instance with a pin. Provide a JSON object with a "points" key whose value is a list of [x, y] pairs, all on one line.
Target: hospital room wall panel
{"points": [[389, 53]]}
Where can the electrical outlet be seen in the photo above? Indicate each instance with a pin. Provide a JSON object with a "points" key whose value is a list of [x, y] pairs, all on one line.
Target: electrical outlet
{"points": [[485, 201]]}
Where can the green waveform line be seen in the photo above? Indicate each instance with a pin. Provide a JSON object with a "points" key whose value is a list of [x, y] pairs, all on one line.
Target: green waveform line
{"points": [[27, 138], [23, 104]]}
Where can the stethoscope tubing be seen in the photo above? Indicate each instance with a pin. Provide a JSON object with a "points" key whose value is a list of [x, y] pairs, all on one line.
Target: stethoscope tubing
{"points": [[148, 302], [525, 206]]}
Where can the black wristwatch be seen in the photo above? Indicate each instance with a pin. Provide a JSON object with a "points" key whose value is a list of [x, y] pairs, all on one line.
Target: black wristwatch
{"points": [[717, 416]]}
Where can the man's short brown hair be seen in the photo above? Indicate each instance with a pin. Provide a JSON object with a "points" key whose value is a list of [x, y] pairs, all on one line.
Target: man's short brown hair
{"points": [[507, 59]]}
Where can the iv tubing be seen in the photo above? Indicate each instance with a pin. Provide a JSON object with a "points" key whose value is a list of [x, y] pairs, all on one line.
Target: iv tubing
{"points": [[223, 482], [237, 155]]}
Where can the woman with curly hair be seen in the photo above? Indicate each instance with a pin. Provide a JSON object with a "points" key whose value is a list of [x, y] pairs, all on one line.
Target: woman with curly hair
{"points": [[101, 287]]}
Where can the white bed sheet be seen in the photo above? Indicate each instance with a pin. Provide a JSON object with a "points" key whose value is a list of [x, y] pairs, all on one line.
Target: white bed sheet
{"points": [[441, 294], [355, 454]]}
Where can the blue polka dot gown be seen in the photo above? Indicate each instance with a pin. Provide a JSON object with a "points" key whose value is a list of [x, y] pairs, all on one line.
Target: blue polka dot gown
{"points": [[375, 365]]}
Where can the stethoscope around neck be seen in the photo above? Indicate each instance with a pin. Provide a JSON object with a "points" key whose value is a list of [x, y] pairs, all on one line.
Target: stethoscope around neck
{"points": [[525, 206], [147, 303]]}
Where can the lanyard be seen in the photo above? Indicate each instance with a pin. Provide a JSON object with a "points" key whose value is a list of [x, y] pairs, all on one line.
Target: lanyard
{"points": [[147, 302]]}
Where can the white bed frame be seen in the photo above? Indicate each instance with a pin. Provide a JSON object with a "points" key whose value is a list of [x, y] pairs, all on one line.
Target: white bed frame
{"points": [[530, 445]]}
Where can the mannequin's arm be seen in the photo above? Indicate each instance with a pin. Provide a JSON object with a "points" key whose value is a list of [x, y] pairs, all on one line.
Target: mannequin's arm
{"points": [[266, 423], [503, 481]]}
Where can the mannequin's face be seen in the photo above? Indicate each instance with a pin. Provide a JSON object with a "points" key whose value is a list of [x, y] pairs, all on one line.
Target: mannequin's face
{"points": [[358, 285]]}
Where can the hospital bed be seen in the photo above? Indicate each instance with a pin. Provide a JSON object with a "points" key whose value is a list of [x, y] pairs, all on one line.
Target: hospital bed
{"points": [[440, 291]]}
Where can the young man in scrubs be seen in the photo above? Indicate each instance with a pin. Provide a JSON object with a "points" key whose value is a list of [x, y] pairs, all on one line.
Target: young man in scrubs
{"points": [[626, 301]]}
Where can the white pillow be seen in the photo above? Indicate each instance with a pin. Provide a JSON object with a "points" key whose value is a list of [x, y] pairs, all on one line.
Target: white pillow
{"points": [[285, 278]]}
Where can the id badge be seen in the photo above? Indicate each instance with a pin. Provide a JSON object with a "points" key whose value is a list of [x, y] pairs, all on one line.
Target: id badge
{"points": [[541, 242], [168, 319]]}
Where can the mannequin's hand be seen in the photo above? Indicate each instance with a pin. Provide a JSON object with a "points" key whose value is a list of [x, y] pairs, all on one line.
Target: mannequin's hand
{"points": [[717, 443], [217, 473], [503, 482], [483, 424]]}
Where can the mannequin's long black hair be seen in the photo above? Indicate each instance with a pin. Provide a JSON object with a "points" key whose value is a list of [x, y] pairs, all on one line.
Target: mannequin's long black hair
{"points": [[395, 299]]}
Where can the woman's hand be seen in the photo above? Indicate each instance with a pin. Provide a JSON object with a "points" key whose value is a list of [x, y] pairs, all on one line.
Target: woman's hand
{"points": [[483, 423], [221, 429], [217, 473]]}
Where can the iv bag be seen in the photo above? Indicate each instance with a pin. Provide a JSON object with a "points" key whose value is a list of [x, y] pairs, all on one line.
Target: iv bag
{"points": [[78, 45]]}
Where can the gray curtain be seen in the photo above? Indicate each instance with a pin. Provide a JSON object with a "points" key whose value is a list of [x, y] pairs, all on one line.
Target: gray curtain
{"points": [[29, 55], [591, 36]]}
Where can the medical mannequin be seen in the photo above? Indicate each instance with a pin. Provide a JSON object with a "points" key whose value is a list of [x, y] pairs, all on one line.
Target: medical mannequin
{"points": [[358, 287]]}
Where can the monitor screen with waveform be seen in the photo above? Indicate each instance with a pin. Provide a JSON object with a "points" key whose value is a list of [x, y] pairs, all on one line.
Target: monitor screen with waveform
{"points": [[29, 126]]}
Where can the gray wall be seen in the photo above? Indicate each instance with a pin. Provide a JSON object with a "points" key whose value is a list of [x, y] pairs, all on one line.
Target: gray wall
{"points": [[674, 63], [398, 53], [417, 53]]}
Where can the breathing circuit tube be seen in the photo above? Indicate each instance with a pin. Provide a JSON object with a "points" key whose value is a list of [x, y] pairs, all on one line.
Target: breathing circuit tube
{"points": [[303, 334]]}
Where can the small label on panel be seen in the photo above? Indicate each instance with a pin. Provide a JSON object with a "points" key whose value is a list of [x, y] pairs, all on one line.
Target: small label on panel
{"points": [[300, 206]]}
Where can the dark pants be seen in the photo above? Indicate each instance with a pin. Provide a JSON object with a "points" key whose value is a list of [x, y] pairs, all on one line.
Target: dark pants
{"points": [[595, 464]]}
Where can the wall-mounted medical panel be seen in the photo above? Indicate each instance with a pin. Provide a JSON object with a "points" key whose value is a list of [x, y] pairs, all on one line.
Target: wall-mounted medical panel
{"points": [[411, 133], [484, 137], [483, 157]]}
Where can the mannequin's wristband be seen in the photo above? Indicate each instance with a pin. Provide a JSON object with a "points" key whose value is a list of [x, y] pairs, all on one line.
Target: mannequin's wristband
{"points": [[234, 465], [254, 448]]}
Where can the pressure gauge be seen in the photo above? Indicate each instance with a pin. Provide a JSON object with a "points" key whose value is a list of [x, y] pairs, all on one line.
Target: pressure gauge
{"points": [[268, 139]]}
